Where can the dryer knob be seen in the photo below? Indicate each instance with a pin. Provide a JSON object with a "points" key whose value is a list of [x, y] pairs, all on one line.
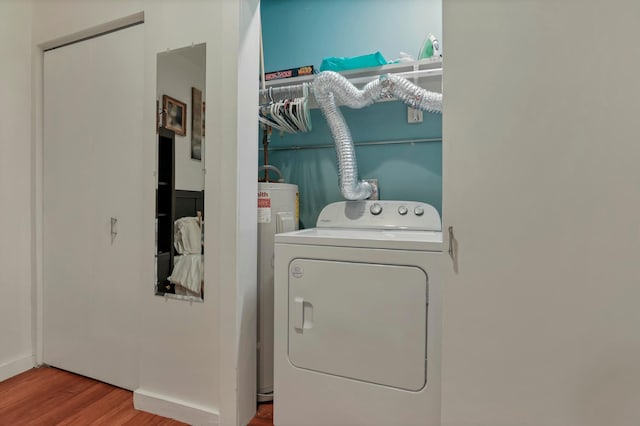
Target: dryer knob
{"points": [[418, 211], [375, 209], [402, 210]]}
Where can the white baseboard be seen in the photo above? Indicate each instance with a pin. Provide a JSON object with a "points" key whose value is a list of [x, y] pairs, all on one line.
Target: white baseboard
{"points": [[15, 367], [165, 406]]}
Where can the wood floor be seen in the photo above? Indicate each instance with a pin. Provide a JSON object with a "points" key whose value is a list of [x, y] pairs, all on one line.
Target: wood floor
{"points": [[264, 417], [48, 396]]}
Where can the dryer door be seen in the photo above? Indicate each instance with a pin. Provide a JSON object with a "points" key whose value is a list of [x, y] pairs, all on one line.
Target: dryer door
{"points": [[361, 321]]}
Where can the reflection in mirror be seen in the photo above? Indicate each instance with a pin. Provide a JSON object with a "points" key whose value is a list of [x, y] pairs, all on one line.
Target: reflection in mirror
{"points": [[180, 173]]}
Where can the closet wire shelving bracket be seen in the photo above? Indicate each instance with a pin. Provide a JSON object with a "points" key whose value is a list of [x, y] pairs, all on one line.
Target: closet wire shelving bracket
{"points": [[284, 89]]}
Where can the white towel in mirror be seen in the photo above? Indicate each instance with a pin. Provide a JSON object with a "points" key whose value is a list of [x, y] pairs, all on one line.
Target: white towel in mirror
{"points": [[188, 272], [187, 236]]}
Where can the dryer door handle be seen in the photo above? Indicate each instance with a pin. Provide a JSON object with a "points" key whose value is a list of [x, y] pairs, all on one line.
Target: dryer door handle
{"points": [[298, 313]]}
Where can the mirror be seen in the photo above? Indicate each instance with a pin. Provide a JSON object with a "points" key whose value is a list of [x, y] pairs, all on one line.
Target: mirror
{"points": [[180, 214]]}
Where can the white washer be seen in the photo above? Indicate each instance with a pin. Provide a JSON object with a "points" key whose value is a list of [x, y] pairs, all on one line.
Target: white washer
{"points": [[357, 317]]}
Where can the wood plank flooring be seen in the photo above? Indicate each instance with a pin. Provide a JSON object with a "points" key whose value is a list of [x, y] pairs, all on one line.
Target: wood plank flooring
{"points": [[48, 396], [264, 417]]}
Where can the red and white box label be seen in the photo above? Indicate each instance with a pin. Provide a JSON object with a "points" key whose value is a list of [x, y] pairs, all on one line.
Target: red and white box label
{"points": [[264, 206]]}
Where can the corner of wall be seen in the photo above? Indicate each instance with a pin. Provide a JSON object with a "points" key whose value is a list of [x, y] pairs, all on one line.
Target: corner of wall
{"points": [[16, 366], [16, 307]]}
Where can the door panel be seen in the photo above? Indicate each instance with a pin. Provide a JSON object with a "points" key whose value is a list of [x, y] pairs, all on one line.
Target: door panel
{"points": [[93, 95], [541, 177], [363, 321]]}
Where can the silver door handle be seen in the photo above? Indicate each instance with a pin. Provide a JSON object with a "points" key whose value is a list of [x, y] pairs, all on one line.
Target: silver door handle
{"points": [[451, 241]]}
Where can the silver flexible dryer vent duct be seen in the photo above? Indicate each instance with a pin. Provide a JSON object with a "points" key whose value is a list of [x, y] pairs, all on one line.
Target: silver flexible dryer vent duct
{"points": [[330, 88]]}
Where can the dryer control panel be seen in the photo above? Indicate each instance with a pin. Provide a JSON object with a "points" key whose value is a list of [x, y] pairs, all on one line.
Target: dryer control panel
{"points": [[380, 214]]}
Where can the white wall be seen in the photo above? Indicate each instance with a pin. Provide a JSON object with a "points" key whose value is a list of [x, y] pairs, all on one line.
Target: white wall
{"points": [[188, 351], [176, 76], [16, 348], [246, 187], [542, 187]]}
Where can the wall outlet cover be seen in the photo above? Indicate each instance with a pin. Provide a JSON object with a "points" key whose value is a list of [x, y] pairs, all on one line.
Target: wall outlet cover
{"points": [[414, 115]]}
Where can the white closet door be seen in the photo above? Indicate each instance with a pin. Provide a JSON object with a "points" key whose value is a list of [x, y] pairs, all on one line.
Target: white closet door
{"points": [[541, 324], [93, 133]]}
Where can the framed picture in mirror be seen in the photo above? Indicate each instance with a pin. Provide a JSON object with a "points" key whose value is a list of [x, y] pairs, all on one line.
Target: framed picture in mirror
{"points": [[175, 115], [196, 125]]}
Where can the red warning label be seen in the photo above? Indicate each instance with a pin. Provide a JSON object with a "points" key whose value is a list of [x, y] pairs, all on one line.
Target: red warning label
{"points": [[264, 202], [264, 206]]}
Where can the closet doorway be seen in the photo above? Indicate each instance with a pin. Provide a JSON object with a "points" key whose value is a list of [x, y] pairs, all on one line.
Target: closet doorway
{"points": [[93, 190]]}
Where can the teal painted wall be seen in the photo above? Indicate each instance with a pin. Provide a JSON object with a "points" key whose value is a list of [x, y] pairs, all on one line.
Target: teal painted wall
{"points": [[302, 32]]}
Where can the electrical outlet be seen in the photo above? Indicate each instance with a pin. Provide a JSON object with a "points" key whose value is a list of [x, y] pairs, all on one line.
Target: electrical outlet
{"points": [[375, 194], [414, 115]]}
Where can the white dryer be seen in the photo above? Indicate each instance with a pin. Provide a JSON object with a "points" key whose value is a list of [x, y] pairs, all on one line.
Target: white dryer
{"points": [[357, 317]]}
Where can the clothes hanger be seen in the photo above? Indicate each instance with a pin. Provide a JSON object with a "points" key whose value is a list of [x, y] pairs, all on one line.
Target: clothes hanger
{"points": [[307, 113], [280, 118], [290, 115], [294, 111]]}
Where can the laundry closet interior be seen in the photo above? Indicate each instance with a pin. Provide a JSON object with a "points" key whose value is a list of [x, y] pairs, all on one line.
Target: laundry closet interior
{"points": [[405, 158], [306, 316]]}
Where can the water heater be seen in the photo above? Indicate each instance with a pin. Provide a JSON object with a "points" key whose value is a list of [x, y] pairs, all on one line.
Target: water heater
{"points": [[278, 212]]}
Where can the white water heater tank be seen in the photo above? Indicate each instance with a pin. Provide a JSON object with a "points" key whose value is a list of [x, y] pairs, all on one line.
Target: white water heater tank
{"points": [[278, 211]]}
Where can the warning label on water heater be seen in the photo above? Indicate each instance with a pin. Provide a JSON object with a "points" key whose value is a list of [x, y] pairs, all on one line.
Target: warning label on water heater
{"points": [[264, 206]]}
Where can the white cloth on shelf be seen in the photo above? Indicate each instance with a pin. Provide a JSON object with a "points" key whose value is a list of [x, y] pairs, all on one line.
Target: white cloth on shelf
{"points": [[187, 236], [188, 267], [188, 272]]}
